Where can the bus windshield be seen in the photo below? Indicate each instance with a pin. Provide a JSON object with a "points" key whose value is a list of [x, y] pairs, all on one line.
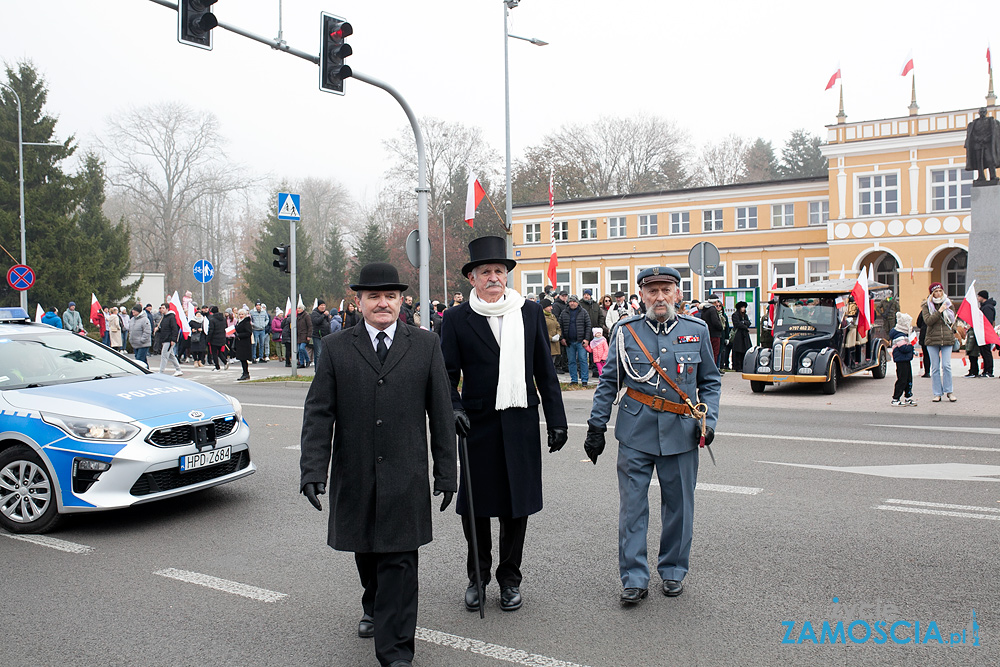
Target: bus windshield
{"points": [[806, 314]]}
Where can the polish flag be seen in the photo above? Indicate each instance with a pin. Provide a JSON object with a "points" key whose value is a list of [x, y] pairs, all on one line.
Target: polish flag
{"points": [[969, 312], [96, 314], [833, 79], [472, 198], [175, 307], [860, 294], [908, 65], [288, 306], [553, 258], [989, 61], [39, 313]]}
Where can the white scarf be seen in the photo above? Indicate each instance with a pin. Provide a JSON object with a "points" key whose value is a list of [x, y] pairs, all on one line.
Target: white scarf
{"points": [[511, 389]]}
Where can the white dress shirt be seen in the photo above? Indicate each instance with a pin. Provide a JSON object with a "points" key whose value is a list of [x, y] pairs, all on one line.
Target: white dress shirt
{"points": [[390, 333]]}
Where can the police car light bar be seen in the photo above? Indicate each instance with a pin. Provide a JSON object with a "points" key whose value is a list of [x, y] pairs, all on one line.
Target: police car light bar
{"points": [[14, 315]]}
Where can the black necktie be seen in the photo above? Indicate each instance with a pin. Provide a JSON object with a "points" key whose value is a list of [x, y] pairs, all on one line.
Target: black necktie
{"points": [[382, 350]]}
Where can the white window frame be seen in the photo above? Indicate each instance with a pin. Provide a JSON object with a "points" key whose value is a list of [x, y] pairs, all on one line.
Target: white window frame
{"points": [[717, 224], [596, 287], [649, 223], [745, 225], [945, 277], [616, 230], [783, 278], [680, 222], [611, 283], [717, 282], [532, 232], [782, 215], [883, 190], [526, 289], [588, 229], [822, 213], [560, 275], [756, 276], [813, 274], [962, 182], [561, 230], [687, 283]]}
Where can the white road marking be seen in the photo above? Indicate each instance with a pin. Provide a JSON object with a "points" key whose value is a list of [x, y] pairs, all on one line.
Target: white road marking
{"points": [[921, 503], [921, 510], [505, 653], [52, 543], [273, 405], [961, 472], [297, 448], [722, 488], [874, 443], [950, 429], [224, 585]]}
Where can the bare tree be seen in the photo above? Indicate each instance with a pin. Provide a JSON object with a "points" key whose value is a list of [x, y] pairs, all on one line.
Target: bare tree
{"points": [[328, 206], [164, 161], [724, 162]]}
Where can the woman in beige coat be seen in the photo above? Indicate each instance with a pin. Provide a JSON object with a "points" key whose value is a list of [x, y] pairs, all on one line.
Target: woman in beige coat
{"points": [[114, 329], [939, 317]]}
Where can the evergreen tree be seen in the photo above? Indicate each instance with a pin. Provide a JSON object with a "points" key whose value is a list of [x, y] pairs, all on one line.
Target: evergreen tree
{"points": [[334, 271], [265, 282], [371, 247], [761, 163], [801, 157]]}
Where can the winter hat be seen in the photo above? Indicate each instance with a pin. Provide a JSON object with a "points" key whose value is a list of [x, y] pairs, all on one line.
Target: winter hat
{"points": [[572, 298], [904, 322], [934, 286], [983, 293], [598, 331], [545, 303]]}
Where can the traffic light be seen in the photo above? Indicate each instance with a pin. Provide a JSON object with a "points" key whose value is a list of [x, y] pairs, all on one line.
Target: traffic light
{"points": [[195, 21], [282, 262], [333, 50]]}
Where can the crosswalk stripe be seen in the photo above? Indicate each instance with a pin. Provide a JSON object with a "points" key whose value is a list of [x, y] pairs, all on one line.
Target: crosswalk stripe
{"points": [[496, 651], [223, 585], [921, 503], [922, 510], [52, 543]]}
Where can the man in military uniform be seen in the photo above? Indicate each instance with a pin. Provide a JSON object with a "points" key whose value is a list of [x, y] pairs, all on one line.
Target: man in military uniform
{"points": [[657, 426]]}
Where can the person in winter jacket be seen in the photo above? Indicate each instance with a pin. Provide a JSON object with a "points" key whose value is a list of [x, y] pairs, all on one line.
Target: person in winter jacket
{"points": [[303, 327], [217, 338], [989, 309], [351, 315], [902, 353], [276, 333], [599, 348], [552, 325], [576, 331], [319, 320], [140, 333], [939, 316], [741, 338], [243, 348], [71, 319], [167, 332], [51, 317]]}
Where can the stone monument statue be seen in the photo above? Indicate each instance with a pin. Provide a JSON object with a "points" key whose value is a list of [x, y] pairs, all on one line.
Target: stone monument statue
{"points": [[982, 148]]}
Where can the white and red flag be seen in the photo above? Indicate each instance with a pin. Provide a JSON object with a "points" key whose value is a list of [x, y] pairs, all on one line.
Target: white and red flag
{"points": [[907, 64], [553, 258], [989, 61], [833, 79], [39, 313], [96, 314], [970, 312], [860, 294], [474, 195], [175, 307]]}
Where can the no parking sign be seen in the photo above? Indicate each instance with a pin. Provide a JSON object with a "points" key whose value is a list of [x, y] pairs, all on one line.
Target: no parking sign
{"points": [[21, 277]]}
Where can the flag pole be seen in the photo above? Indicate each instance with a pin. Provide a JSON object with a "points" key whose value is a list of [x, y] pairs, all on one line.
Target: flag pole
{"points": [[505, 225]]}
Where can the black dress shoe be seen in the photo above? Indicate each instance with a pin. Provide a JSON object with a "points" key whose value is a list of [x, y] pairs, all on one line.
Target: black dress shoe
{"points": [[510, 598], [672, 588], [634, 595], [472, 597], [366, 628]]}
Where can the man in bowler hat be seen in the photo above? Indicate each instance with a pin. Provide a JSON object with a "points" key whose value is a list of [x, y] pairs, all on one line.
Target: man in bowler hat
{"points": [[499, 343], [376, 387]]}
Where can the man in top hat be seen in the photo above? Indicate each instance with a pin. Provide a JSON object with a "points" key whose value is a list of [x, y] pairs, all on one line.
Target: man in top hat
{"points": [[656, 427], [376, 387], [500, 342]]}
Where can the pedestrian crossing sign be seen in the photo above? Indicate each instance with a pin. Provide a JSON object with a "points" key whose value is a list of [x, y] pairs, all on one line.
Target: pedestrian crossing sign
{"points": [[288, 206]]}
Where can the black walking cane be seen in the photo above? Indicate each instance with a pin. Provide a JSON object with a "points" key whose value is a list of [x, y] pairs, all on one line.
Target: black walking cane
{"points": [[463, 451]]}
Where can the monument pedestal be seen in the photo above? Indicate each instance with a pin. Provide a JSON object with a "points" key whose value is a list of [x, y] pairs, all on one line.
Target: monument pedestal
{"points": [[984, 240]]}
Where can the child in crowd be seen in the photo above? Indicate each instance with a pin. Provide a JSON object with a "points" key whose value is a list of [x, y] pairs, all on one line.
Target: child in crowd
{"points": [[902, 353], [599, 348]]}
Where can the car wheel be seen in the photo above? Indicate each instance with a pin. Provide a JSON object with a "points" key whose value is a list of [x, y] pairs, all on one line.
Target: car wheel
{"points": [[830, 386], [879, 371], [757, 386], [27, 493]]}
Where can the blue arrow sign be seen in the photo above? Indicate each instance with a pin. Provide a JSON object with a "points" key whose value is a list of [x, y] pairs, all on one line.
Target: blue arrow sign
{"points": [[203, 271], [288, 206]]}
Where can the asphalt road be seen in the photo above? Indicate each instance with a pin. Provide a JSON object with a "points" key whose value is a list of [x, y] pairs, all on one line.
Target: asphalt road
{"points": [[829, 498]]}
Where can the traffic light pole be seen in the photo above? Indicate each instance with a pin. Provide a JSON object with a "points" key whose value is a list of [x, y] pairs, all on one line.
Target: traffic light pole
{"points": [[422, 189], [293, 329]]}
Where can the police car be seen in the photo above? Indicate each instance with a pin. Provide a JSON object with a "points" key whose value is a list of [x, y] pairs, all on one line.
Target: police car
{"points": [[83, 429]]}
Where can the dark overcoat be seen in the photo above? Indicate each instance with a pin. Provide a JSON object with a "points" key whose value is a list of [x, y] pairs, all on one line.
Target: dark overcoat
{"points": [[243, 349], [505, 449], [371, 420]]}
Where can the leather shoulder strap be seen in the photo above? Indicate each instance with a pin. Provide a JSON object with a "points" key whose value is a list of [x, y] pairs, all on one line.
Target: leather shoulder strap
{"points": [[659, 369]]}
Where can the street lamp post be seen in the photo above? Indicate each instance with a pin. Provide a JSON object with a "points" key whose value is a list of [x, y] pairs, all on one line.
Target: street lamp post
{"points": [[508, 211], [20, 175]]}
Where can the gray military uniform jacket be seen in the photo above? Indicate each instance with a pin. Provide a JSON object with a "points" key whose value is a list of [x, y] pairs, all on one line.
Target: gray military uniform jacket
{"points": [[683, 349]]}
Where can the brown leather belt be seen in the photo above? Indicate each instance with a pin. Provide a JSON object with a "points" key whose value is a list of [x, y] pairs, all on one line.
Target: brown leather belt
{"points": [[658, 404]]}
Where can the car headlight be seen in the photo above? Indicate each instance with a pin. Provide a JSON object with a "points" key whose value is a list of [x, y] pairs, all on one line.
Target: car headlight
{"points": [[237, 406], [806, 363], [92, 429]]}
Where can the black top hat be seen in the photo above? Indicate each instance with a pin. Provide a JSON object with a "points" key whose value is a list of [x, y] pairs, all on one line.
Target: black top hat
{"points": [[487, 250], [379, 276]]}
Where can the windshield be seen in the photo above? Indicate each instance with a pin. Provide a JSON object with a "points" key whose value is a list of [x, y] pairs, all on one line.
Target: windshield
{"points": [[806, 314], [39, 358]]}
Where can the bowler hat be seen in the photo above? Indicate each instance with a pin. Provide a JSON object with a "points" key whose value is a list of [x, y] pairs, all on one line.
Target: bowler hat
{"points": [[487, 250], [378, 276]]}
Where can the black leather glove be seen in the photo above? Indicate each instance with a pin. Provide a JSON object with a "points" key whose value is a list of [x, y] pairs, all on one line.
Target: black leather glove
{"points": [[557, 438], [447, 498], [462, 424], [594, 444], [313, 489], [709, 435]]}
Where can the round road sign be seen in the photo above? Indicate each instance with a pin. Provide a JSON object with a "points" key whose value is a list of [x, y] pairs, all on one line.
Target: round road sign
{"points": [[21, 277]]}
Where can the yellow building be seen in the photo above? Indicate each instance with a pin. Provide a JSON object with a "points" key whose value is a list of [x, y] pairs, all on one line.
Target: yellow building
{"points": [[897, 199]]}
